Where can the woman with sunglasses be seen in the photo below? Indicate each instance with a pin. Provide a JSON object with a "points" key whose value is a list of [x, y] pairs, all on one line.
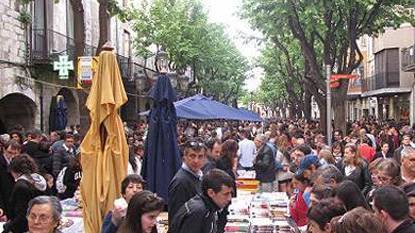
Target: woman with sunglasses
{"points": [[142, 213]]}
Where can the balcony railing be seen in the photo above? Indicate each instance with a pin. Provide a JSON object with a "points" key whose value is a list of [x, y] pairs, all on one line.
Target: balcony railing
{"points": [[48, 44], [408, 59], [381, 80]]}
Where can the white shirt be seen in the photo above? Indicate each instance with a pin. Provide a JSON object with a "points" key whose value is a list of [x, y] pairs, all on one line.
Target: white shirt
{"points": [[130, 168], [219, 132], [349, 169], [247, 153], [372, 138]]}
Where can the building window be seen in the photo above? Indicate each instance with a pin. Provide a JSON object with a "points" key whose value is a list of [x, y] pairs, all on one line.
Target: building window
{"points": [[70, 27], [39, 14], [39, 40], [126, 44], [387, 68]]}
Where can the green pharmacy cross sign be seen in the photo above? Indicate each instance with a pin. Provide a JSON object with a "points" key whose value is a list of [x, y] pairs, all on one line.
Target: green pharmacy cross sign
{"points": [[63, 65]]}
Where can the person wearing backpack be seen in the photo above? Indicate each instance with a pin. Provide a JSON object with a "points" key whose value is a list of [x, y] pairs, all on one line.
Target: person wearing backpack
{"points": [[68, 179]]}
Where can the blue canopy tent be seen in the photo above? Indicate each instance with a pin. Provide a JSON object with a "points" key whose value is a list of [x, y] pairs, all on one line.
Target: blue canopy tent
{"points": [[250, 113], [200, 107]]}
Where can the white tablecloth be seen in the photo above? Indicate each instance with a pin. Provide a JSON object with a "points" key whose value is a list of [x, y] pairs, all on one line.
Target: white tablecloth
{"points": [[76, 227]]}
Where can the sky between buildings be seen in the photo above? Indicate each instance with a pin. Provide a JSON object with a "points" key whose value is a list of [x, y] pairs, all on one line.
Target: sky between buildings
{"points": [[225, 12]]}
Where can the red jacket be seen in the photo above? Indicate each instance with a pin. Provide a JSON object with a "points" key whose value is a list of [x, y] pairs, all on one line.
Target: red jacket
{"points": [[299, 210], [367, 152]]}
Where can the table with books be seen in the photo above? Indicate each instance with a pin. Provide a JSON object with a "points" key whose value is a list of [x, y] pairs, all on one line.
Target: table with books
{"points": [[255, 212]]}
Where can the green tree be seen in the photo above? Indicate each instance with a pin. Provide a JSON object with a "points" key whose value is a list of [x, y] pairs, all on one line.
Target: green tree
{"points": [[282, 84], [327, 32], [181, 27]]}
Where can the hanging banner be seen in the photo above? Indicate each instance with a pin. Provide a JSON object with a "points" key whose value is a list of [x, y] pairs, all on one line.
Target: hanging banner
{"points": [[336, 78], [86, 69]]}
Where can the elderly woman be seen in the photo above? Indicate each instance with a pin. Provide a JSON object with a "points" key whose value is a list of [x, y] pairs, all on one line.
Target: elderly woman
{"points": [[44, 214]]}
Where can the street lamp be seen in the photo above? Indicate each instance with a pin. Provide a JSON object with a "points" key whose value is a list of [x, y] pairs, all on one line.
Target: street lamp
{"points": [[162, 63]]}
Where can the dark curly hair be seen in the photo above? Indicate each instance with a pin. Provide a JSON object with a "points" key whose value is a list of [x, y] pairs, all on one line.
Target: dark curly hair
{"points": [[24, 165]]}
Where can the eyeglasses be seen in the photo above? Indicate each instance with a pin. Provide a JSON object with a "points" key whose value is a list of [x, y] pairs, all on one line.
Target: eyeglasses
{"points": [[195, 144], [384, 179], [41, 218]]}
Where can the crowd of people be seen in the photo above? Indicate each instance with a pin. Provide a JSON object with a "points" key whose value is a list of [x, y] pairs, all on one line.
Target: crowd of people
{"points": [[363, 182]]}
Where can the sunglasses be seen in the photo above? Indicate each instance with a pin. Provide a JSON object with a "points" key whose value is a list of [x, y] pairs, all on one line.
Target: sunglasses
{"points": [[195, 144]]}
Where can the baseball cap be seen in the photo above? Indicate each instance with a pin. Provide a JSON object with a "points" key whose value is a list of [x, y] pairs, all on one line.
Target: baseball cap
{"points": [[306, 162]]}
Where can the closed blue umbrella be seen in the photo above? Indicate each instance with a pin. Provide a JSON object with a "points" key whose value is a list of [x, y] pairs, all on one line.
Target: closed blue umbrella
{"points": [[61, 119], [162, 159]]}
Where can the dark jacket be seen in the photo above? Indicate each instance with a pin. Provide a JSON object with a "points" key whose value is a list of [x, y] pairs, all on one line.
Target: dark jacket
{"points": [[380, 155], [182, 188], [226, 166], [60, 159], [406, 227], [6, 185], [198, 215], [71, 180], [359, 176], [264, 165], [22, 193], [210, 164], [397, 154], [43, 159]]}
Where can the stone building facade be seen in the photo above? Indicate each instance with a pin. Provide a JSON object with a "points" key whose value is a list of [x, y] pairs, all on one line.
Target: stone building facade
{"points": [[28, 83]]}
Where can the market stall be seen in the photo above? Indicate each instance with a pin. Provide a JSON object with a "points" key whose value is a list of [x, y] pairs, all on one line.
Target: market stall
{"points": [[255, 212]]}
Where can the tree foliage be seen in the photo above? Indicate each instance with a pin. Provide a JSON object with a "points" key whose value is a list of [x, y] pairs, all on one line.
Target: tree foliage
{"points": [[327, 32], [181, 27]]}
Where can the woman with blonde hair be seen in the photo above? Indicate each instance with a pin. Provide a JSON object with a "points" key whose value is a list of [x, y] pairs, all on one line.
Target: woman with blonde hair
{"points": [[355, 168], [326, 157]]}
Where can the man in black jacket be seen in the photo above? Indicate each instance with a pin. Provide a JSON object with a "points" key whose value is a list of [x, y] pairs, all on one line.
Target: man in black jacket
{"points": [[200, 214], [186, 183], [32, 148], [405, 143], [264, 164], [214, 147], [61, 156], [12, 149], [392, 208]]}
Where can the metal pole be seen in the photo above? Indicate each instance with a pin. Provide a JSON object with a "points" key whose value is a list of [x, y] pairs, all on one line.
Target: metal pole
{"points": [[328, 96], [41, 109]]}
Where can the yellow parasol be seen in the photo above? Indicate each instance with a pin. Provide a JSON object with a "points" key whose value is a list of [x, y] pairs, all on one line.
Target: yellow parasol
{"points": [[104, 149]]}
